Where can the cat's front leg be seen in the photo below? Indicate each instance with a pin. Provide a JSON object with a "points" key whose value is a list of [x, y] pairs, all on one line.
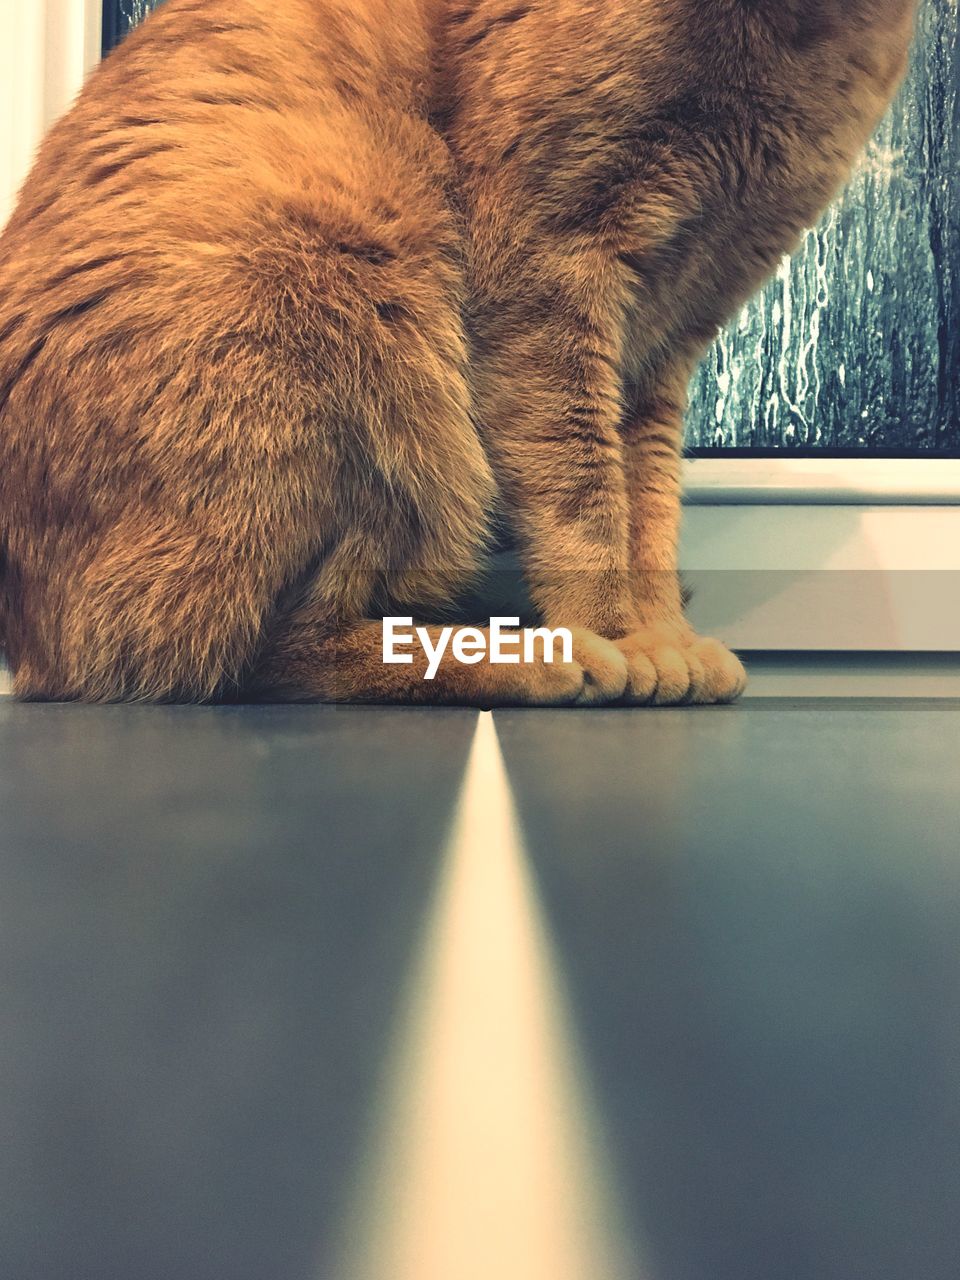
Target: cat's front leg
{"points": [[669, 664], [550, 400]]}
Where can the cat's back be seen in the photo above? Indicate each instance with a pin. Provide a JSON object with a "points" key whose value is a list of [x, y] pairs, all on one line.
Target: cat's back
{"points": [[200, 159], [179, 214], [206, 100]]}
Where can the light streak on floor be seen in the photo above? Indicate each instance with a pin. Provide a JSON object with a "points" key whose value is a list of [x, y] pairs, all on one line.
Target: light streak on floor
{"points": [[486, 1161]]}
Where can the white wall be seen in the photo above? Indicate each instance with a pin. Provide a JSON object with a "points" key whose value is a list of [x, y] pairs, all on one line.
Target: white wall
{"points": [[46, 46]]}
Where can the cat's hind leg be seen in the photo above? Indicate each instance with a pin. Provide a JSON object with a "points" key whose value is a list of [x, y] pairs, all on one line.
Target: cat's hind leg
{"points": [[212, 428], [250, 492], [329, 646]]}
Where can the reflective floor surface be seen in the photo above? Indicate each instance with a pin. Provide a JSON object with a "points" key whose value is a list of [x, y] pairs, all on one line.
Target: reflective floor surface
{"points": [[386, 994]]}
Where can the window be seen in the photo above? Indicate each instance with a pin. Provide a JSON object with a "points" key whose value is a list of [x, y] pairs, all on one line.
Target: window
{"points": [[120, 15], [855, 344]]}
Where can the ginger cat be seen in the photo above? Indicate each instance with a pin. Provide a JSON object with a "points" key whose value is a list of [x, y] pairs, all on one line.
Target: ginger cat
{"points": [[303, 297]]}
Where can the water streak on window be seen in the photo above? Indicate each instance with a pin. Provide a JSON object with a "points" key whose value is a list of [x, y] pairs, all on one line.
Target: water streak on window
{"points": [[856, 342]]}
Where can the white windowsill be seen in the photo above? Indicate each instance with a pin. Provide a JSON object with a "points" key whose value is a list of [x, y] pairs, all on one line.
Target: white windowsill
{"points": [[823, 481], [825, 554], [854, 675]]}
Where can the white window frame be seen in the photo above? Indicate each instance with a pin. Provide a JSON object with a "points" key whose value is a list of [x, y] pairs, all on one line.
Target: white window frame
{"points": [[859, 555]]}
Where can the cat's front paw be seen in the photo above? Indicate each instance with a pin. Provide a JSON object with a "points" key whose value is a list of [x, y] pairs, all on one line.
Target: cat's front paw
{"points": [[604, 669], [670, 666]]}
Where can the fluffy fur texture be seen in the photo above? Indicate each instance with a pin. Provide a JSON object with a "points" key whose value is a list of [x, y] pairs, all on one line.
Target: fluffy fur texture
{"points": [[302, 297]]}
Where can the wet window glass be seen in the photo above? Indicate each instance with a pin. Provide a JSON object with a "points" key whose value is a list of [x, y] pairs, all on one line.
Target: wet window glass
{"points": [[854, 345], [120, 15]]}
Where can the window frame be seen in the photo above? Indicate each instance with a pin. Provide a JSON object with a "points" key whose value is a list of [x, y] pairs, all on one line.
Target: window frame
{"points": [[773, 479]]}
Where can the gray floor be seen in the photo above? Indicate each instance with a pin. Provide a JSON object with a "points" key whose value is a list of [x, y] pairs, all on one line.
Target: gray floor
{"points": [[207, 917]]}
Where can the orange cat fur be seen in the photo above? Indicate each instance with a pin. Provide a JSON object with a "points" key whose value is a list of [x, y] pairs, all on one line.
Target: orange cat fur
{"points": [[300, 297]]}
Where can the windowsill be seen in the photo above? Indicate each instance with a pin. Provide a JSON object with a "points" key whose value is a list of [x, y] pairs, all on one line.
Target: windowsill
{"points": [[825, 482], [854, 675]]}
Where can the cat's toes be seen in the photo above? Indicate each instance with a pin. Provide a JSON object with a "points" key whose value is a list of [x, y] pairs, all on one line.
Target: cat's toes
{"points": [[666, 669], [596, 675], [555, 684], [604, 669], [722, 676], [659, 672]]}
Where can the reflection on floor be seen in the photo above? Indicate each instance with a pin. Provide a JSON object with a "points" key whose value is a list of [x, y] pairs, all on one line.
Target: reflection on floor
{"points": [[329, 994], [487, 1161]]}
